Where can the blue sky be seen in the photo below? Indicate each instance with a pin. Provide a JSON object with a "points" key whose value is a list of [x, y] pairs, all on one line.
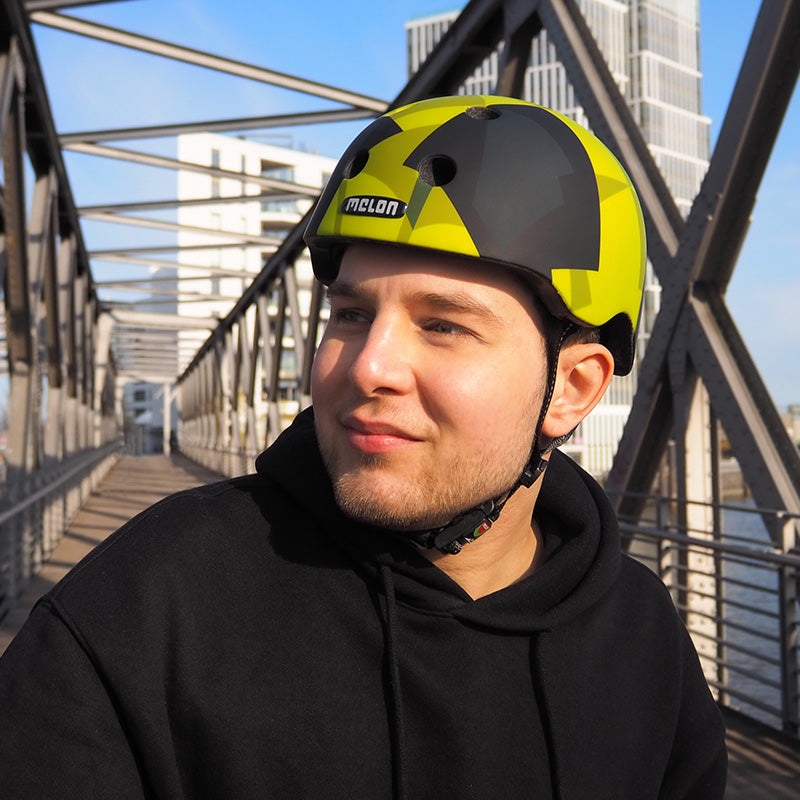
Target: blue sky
{"points": [[361, 47]]}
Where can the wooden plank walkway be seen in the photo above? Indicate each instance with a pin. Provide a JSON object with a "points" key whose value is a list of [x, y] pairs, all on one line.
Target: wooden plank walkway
{"points": [[133, 484], [764, 765]]}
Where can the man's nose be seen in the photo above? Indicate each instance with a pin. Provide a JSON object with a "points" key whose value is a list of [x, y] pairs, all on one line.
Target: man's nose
{"points": [[384, 360]]}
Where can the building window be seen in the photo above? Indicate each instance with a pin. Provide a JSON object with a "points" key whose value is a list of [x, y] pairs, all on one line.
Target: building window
{"points": [[215, 164], [280, 172]]}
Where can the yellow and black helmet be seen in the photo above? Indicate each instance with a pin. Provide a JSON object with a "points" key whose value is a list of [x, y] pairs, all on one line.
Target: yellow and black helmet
{"points": [[504, 181]]}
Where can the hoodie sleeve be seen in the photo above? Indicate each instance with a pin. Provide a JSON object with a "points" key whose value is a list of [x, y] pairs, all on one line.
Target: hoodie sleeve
{"points": [[60, 735], [697, 769], [627, 706]]}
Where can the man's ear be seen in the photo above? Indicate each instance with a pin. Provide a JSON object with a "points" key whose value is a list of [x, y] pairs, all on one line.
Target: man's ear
{"points": [[582, 377]]}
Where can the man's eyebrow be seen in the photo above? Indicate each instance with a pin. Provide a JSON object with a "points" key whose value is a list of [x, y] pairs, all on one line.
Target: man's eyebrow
{"points": [[341, 288], [456, 302]]}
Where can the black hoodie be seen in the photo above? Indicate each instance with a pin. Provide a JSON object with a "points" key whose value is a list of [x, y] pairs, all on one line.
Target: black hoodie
{"points": [[246, 640]]}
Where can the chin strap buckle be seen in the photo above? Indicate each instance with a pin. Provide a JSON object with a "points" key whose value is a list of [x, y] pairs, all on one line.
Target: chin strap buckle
{"points": [[531, 473], [466, 529], [474, 524]]}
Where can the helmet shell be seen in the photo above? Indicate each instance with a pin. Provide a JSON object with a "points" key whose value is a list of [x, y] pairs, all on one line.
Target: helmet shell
{"points": [[504, 181]]}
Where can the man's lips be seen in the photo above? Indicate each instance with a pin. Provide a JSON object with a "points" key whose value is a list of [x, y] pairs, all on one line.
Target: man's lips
{"points": [[376, 437]]}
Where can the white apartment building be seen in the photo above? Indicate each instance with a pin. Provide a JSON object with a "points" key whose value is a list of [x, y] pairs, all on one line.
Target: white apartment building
{"points": [[215, 268], [652, 49], [239, 225]]}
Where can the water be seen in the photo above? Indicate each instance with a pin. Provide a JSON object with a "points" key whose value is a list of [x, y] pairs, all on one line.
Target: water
{"points": [[752, 623]]}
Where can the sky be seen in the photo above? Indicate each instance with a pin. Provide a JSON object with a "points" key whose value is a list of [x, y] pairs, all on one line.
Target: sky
{"points": [[361, 47]]}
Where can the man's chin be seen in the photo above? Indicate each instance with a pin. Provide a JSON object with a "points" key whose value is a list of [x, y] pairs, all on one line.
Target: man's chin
{"points": [[386, 509]]}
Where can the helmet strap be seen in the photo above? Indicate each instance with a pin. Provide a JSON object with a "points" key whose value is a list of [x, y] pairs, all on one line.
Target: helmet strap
{"points": [[554, 345]]}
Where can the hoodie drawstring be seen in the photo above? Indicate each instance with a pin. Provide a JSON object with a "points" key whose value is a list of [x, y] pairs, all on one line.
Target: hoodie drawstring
{"points": [[397, 731], [544, 713]]}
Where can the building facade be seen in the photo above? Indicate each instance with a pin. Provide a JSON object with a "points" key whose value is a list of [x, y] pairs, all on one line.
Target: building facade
{"points": [[231, 225], [143, 409], [652, 48]]}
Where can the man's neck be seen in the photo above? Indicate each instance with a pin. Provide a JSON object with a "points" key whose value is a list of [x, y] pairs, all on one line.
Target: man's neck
{"points": [[508, 552]]}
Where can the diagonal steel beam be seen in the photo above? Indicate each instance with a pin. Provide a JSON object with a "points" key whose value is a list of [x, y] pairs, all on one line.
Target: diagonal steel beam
{"points": [[163, 225], [710, 243], [201, 59], [21, 341], [768, 458], [53, 309], [161, 205], [166, 248], [185, 295], [49, 5], [146, 282], [147, 320], [148, 159], [12, 76], [66, 305], [762, 93], [40, 229], [154, 262], [521, 24], [217, 126]]}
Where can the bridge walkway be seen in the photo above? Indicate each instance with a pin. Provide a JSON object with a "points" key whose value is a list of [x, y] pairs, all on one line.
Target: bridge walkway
{"points": [[764, 764]]}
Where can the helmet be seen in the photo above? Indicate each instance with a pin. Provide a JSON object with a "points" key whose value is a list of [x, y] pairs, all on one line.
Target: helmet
{"points": [[504, 181]]}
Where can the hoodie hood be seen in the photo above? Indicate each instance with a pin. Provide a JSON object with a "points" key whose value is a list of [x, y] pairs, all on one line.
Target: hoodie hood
{"points": [[579, 527]]}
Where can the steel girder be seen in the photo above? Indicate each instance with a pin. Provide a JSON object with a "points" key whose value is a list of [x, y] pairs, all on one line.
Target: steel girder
{"points": [[693, 325], [60, 393], [207, 60], [94, 143], [151, 160], [269, 324], [219, 126]]}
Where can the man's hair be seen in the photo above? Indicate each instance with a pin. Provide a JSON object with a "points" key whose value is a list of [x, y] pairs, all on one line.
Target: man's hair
{"points": [[584, 336]]}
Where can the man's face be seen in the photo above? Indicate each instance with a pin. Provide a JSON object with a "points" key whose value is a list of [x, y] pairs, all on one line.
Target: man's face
{"points": [[427, 385]]}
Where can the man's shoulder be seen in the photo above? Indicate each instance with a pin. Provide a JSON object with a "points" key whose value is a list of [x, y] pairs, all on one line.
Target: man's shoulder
{"points": [[642, 602], [185, 534], [202, 510], [637, 580], [204, 506]]}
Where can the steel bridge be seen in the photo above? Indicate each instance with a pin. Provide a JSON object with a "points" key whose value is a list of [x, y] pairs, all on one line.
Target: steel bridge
{"points": [[66, 347]]}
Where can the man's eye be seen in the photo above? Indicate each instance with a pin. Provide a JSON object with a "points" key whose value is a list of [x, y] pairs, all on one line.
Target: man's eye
{"points": [[348, 315], [445, 328]]}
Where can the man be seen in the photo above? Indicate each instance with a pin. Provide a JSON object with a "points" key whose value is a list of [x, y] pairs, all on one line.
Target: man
{"points": [[416, 596]]}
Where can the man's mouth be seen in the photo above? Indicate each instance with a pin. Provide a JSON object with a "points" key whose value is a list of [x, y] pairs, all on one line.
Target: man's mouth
{"points": [[376, 436]]}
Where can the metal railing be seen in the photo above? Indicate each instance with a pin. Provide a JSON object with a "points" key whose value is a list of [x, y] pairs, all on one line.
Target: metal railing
{"points": [[36, 510], [738, 595]]}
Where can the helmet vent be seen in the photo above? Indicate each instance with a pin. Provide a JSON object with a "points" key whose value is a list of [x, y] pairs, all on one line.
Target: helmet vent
{"points": [[481, 112], [356, 164], [437, 170]]}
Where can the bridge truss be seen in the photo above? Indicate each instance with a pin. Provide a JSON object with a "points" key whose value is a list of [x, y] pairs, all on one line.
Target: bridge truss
{"points": [[66, 346]]}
